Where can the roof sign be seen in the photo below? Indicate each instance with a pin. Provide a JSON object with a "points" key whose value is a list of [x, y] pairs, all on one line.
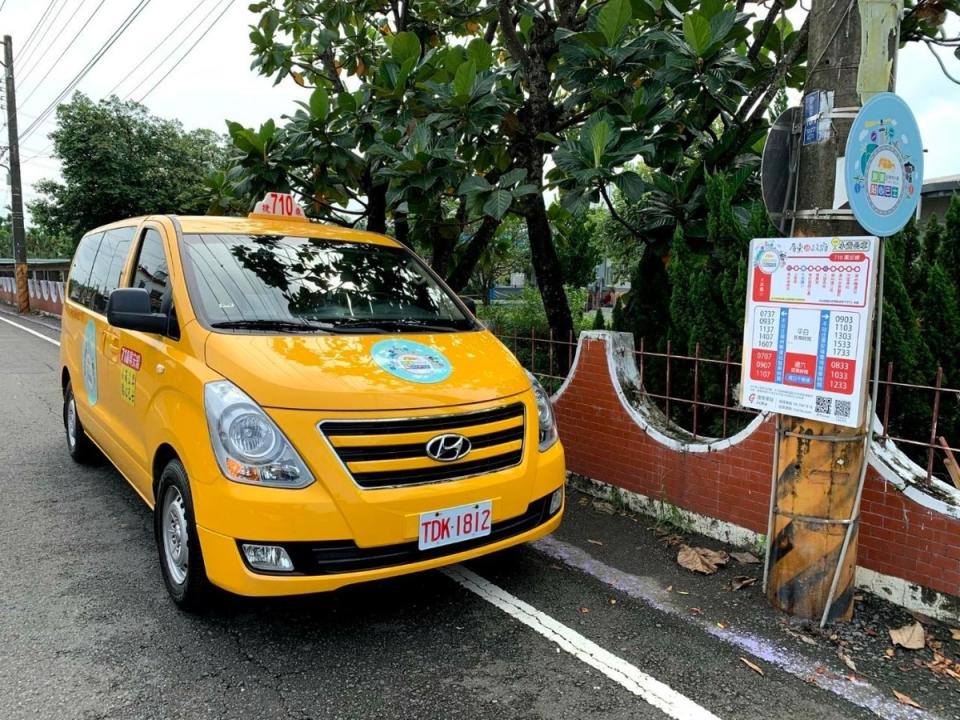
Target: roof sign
{"points": [[279, 205]]}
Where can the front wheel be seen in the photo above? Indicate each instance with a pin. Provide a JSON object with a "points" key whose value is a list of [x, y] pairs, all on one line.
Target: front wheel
{"points": [[80, 447], [181, 559]]}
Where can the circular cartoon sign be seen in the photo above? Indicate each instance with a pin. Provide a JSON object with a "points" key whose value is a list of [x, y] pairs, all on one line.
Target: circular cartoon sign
{"points": [[411, 361], [884, 165]]}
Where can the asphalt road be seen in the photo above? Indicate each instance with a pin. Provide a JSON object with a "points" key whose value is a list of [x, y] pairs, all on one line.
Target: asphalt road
{"points": [[87, 630]]}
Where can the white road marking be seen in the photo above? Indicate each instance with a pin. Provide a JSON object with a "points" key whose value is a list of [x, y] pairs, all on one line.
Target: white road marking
{"points": [[656, 693], [32, 332]]}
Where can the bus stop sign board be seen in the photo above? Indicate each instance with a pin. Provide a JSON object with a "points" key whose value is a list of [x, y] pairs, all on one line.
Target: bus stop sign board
{"points": [[809, 309]]}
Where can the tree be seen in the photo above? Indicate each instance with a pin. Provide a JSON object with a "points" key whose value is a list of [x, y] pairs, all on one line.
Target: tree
{"points": [[439, 117], [118, 161], [40, 243], [599, 323], [506, 253]]}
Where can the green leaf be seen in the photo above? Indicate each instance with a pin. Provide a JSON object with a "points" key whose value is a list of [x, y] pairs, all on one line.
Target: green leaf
{"points": [[514, 176], [630, 184], [405, 45], [613, 18], [319, 104], [464, 79], [599, 136], [697, 33], [347, 102], [498, 203], [526, 189], [474, 184], [549, 137], [479, 51]]}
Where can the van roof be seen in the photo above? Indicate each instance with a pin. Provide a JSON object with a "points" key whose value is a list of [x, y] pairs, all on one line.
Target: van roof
{"points": [[265, 225]]}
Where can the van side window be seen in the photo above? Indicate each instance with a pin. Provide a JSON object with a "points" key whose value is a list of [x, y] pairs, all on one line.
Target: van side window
{"points": [[151, 270], [79, 290], [108, 267]]}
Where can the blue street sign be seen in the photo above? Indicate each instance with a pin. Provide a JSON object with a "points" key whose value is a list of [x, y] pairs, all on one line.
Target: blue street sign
{"points": [[884, 165]]}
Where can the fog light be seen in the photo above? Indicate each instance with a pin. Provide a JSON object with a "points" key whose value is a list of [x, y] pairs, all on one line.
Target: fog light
{"points": [[556, 500], [268, 557]]}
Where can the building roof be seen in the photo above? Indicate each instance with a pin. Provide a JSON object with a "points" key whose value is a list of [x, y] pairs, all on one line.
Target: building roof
{"points": [[944, 185], [33, 262]]}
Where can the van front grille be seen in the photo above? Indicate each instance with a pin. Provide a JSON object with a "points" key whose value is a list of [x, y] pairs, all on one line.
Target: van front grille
{"points": [[393, 453]]}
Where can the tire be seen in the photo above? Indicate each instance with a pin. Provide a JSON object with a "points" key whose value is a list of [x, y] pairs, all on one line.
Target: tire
{"points": [[181, 559], [80, 447]]}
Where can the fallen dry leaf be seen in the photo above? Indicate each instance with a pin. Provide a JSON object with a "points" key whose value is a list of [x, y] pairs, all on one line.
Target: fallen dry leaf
{"points": [[604, 507], [955, 633], [722, 626], [682, 592], [668, 588], [584, 501], [701, 560], [910, 637], [584, 610], [745, 558], [742, 581], [848, 661], [906, 699], [753, 666], [889, 653], [671, 540], [696, 611], [595, 542]]}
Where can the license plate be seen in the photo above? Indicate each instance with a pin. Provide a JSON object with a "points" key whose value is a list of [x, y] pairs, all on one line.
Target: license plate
{"points": [[453, 525]]}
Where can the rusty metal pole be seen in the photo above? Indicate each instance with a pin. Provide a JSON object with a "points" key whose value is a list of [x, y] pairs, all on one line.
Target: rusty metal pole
{"points": [[16, 191], [819, 467]]}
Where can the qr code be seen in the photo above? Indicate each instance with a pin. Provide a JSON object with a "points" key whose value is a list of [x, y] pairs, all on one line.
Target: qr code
{"points": [[823, 405], [843, 408]]}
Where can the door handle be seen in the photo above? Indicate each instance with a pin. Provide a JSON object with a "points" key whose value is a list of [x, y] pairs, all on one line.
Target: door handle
{"points": [[113, 346]]}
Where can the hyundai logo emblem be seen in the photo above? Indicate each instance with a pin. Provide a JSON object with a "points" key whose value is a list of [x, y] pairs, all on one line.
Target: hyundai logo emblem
{"points": [[449, 447]]}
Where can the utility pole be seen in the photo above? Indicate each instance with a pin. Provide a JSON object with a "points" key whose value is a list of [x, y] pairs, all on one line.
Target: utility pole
{"points": [[819, 466], [16, 191]]}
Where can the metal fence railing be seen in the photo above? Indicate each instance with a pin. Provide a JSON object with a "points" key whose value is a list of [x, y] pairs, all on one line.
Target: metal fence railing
{"points": [[700, 395]]}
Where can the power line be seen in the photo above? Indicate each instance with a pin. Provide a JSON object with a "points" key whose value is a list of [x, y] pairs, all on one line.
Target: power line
{"points": [[36, 27], [25, 56], [53, 42], [223, 11], [88, 67], [156, 47], [62, 54]]}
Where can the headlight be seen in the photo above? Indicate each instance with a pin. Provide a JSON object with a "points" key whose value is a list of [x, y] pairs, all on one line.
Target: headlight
{"points": [[249, 446], [545, 417]]}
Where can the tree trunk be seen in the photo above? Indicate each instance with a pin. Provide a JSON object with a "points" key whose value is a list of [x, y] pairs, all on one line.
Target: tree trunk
{"points": [[376, 205], [549, 273], [460, 275]]}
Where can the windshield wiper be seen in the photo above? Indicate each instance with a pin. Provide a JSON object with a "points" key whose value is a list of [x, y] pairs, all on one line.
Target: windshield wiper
{"points": [[397, 324], [264, 324]]}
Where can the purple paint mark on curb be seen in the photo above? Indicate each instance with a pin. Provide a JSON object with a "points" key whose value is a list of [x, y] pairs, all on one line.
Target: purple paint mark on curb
{"points": [[858, 692]]}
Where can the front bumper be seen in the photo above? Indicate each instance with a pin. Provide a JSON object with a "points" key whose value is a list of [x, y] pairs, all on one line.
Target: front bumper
{"points": [[324, 566]]}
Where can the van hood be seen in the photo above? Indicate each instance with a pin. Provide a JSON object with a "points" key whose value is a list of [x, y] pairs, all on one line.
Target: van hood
{"points": [[340, 372]]}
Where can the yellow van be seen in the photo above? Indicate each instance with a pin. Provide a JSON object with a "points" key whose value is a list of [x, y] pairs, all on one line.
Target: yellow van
{"points": [[303, 406]]}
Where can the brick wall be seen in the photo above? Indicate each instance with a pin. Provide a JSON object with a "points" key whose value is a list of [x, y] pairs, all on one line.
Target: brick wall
{"points": [[899, 535]]}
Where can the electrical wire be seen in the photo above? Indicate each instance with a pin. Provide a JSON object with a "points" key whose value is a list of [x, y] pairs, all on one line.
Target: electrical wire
{"points": [[226, 6], [36, 27], [27, 71], [158, 46], [25, 54], [62, 54], [121, 29]]}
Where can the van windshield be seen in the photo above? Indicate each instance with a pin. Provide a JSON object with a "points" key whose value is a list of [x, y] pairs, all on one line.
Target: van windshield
{"points": [[297, 284]]}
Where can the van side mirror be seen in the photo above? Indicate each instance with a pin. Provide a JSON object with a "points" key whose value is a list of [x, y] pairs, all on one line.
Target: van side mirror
{"points": [[470, 303], [129, 309]]}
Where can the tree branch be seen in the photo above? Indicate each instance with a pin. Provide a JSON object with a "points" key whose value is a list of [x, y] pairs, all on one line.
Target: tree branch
{"points": [[766, 88], [616, 216], [764, 31], [510, 38]]}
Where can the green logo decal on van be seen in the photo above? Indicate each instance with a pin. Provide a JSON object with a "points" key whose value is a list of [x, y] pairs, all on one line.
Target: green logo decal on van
{"points": [[89, 362]]}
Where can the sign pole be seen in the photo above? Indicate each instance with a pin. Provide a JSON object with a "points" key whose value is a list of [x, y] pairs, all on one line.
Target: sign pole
{"points": [[819, 465]]}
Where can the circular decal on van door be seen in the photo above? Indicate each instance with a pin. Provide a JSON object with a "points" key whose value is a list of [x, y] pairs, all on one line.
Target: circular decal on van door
{"points": [[411, 361], [88, 361]]}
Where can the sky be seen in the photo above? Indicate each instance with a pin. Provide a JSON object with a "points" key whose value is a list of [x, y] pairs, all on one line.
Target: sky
{"points": [[214, 82]]}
